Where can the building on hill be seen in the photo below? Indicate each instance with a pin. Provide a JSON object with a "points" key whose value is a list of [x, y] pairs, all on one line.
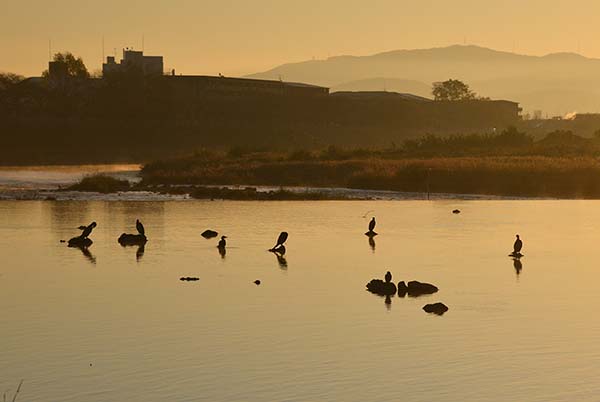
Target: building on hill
{"points": [[134, 61], [190, 87]]}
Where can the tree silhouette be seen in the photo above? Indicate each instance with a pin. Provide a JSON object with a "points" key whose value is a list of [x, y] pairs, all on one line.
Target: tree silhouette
{"points": [[452, 90], [75, 66], [9, 79]]}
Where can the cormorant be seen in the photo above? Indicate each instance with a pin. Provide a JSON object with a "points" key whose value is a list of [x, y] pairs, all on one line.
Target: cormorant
{"points": [[88, 230], [372, 224], [140, 227], [518, 245], [222, 242], [281, 239], [388, 276]]}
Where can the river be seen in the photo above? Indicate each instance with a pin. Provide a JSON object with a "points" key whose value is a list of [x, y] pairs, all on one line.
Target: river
{"points": [[115, 323]]}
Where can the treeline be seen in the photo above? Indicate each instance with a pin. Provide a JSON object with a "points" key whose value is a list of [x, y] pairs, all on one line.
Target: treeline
{"points": [[509, 142]]}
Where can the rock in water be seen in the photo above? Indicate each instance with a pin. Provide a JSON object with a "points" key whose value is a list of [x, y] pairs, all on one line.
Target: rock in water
{"points": [[80, 242], [381, 288], [189, 279], [209, 234], [456, 211], [402, 289], [257, 282], [132, 239], [436, 308], [416, 289]]}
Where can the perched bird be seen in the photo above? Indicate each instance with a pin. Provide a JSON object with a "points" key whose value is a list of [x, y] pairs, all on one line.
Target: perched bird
{"points": [[372, 224], [281, 239], [518, 245], [222, 242], [140, 227], [388, 276], [88, 230]]}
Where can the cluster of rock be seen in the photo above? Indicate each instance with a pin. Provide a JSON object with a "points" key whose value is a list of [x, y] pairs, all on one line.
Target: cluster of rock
{"points": [[387, 288], [189, 279]]}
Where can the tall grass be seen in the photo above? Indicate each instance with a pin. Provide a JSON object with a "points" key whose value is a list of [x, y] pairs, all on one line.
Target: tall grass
{"points": [[100, 183]]}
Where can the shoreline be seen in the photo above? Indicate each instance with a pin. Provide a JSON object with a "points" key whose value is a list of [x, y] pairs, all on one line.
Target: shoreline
{"points": [[249, 193]]}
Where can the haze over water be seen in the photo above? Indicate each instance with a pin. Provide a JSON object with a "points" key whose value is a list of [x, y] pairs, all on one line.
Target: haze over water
{"points": [[310, 331]]}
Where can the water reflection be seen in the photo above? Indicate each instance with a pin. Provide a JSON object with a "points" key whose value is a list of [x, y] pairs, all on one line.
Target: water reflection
{"points": [[87, 254], [388, 302], [222, 252], [372, 243], [518, 265], [140, 252], [281, 259]]}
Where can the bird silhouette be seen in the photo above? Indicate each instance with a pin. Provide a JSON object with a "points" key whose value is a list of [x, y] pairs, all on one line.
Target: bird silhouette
{"points": [[518, 246], [88, 230], [280, 240], [372, 224], [222, 242], [388, 276], [140, 227]]}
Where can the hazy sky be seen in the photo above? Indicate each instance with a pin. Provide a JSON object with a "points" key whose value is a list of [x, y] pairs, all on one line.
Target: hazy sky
{"points": [[236, 37]]}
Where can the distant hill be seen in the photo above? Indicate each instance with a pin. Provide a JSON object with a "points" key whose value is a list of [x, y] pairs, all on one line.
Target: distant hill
{"points": [[557, 83]]}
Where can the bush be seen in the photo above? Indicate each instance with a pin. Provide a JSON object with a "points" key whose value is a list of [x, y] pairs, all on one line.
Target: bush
{"points": [[101, 184]]}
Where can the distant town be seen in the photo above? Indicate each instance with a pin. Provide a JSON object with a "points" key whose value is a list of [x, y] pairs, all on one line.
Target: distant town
{"points": [[134, 101]]}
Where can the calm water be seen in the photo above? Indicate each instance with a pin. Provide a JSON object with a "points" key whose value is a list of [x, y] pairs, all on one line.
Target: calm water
{"points": [[111, 327]]}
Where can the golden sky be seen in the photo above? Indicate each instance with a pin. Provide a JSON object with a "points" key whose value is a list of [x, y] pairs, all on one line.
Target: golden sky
{"points": [[237, 37]]}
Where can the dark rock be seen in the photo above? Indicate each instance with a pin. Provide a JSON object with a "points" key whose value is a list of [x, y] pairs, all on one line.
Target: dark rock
{"points": [[416, 289], [257, 282], [189, 279], [515, 255], [209, 234], [80, 242], [402, 289], [371, 234], [381, 288], [436, 308], [456, 211], [132, 239]]}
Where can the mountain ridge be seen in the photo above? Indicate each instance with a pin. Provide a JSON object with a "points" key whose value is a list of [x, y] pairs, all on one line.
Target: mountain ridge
{"points": [[491, 72]]}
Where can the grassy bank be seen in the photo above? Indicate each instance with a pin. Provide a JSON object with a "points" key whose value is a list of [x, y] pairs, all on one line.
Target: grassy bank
{"points": [[101, 184], [536, 176]]}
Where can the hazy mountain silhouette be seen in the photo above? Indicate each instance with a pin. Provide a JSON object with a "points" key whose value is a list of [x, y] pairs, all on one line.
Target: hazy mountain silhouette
{"points": [[557, 83]]}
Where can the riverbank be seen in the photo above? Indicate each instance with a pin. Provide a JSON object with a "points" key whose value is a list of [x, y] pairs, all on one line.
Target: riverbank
{"points": [[509, 176]]}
